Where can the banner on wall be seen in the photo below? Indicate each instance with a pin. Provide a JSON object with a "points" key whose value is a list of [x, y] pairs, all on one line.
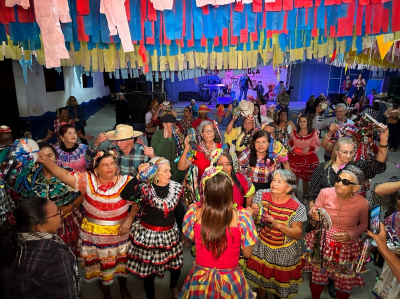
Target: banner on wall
{"points": [[269, 77]]}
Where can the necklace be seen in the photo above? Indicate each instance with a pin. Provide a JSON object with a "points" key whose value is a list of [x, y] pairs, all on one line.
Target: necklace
{"points": [[208, 151]]}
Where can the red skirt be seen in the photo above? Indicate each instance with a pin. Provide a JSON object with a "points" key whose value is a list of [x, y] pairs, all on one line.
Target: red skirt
{"points": [[303, 165], [338, 262]]}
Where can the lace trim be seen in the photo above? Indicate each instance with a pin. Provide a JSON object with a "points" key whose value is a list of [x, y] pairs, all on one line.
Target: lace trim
{"points": [[170, 201]]}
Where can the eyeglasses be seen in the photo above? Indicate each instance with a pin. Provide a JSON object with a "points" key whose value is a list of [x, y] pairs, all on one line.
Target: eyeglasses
{"points": [[347, 153], [58, 213], [261, 142], [345, 182], [209, 131]]}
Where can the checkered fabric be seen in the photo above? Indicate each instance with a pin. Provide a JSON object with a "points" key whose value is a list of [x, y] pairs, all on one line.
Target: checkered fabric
{"points": [[262, 173], [152, 252], [278, 270], [207, 283], [339, 267], [6, 204]]}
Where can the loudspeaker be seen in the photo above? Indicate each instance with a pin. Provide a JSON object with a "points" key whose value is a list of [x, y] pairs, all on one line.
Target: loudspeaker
{"points": [[158, 86], [394, 81], [160, 96], [139, 103], [393, 89]]}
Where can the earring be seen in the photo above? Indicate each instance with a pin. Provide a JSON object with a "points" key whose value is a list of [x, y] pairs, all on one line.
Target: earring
{"points": [[118, 170]]}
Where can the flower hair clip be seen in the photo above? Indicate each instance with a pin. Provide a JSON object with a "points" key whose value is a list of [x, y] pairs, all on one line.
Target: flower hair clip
{"points": [[114, 153], [99, 155], [11, 219]]}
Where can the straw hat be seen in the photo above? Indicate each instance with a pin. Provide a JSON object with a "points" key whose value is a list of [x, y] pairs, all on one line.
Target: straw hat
{"points": [[204, 108], [122, 132], [247, 107]]}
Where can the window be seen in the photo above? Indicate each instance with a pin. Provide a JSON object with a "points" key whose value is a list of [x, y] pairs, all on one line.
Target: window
{"points": [[53, 80], [87, 81]]}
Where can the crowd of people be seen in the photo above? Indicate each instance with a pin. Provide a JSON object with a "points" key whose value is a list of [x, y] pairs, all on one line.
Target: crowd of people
{"points": [[130, 208]]}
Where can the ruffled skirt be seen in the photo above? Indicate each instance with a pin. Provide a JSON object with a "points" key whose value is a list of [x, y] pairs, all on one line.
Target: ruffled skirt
{"points": [[207, 283], [278, 270], [339, 261], [151, 252], [69, 230], [103, 252], [303, 166]]}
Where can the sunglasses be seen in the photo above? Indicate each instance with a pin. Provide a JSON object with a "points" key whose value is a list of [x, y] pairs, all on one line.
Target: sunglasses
{"points": [[345, 182]]}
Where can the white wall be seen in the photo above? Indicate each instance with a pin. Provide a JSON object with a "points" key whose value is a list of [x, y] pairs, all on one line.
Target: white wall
{"points": [[33, 100]]}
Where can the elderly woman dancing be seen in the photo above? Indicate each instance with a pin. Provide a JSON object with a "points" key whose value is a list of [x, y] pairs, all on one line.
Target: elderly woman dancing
{"points": [[104, 233], [210, 140], [334, 247], [276, 264], [156, 244]]}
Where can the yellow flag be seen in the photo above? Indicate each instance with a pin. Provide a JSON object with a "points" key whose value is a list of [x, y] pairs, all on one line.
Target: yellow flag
{"points": [[383, 47]]}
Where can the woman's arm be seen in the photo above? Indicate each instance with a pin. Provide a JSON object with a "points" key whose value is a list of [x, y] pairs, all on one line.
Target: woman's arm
{"points": [[387, 188], [60, 173], [382, 153], [247, 251], [48, 136], [230, 125], [183, 162], [390, 258], [286, 165]]}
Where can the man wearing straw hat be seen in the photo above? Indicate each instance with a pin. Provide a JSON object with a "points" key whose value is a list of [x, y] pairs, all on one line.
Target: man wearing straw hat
{"points": [[129, 154], [203, 110]]}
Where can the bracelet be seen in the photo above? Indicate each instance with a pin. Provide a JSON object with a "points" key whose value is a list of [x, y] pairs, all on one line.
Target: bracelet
{"points": [[326, 136], [384, 146], [74, 206]]}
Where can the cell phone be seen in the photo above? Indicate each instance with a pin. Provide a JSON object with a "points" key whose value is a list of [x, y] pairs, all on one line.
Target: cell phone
{"points": [[374, 222]]}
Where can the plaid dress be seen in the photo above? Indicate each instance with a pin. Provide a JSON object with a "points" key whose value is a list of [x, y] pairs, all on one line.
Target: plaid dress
{"points": [[156, 245], [261, 172], [61, 195], [221, 278], [276, 263]]}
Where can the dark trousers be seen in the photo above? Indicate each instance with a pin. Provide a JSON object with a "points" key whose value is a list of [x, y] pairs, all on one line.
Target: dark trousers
{"points": [[358, 92], [394, 135], [149, 136], [149, 283], [84, 141]]}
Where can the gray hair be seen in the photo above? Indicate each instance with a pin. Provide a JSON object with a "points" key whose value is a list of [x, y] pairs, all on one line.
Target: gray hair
{"points": [[158, 160], [203, 124], [289, 177], [341, 105], [355, 172]]}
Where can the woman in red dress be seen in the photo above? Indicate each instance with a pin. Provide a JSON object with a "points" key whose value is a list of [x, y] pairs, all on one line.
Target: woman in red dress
{"points": [[304, 143]]}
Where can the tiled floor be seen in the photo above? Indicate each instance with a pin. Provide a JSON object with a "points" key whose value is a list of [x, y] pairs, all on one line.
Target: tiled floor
{"points": [[105, 120]]}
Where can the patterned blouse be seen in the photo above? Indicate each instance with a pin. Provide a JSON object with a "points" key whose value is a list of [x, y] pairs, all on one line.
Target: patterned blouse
{"points": [[287, 213], [73, 157], [324, 176], [261, 172], [53, 189]]}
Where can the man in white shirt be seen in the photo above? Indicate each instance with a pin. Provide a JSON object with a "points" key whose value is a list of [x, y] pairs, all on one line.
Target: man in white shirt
{"points": [[319, 122]]}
